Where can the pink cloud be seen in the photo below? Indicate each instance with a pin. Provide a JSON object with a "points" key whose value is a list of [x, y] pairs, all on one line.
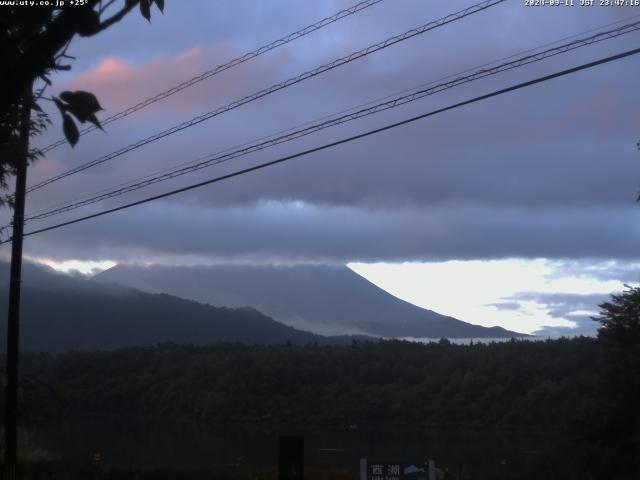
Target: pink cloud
{"points": [[119, 84]]}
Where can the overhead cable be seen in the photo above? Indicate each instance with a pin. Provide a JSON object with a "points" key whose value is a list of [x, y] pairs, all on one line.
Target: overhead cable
{"points": [[339, 142], [276, 87], [216, 159], [221, 68]]}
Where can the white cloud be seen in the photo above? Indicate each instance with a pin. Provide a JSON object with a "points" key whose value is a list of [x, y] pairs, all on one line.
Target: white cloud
{"points": [[85, 267], [473, 290]]}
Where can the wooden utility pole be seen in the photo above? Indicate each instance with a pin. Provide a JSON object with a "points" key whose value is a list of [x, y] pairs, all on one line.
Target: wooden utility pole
{"points": [[15, 281]]}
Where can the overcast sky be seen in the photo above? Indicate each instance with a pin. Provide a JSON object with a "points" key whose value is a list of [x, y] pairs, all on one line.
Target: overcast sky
{"points": [[543, 180]]}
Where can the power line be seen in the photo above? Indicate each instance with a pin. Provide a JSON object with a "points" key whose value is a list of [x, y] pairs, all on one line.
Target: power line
{"points": [[325, 117], [292, 135], [220, 68], [276, 87], [342, 141]]}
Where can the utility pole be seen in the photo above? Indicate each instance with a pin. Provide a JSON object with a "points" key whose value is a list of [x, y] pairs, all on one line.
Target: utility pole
{"points": [[15, 281]]}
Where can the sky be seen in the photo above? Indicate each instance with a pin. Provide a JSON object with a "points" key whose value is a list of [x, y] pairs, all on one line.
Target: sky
{"points": [[518, 211]]}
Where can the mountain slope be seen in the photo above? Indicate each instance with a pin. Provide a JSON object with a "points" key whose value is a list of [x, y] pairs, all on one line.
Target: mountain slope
{"points": [[60, 313], [322, 299]]}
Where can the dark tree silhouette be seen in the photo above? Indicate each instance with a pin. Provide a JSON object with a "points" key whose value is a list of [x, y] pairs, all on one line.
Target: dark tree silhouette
{"points": [[619, 337], [33, 44]]}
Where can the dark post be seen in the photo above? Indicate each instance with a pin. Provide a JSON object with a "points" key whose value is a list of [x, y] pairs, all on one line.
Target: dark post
{"points": [[291, 458], [13, 324]]}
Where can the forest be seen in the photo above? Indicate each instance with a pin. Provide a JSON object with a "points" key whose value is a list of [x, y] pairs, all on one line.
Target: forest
{"points": [[510, 384]]}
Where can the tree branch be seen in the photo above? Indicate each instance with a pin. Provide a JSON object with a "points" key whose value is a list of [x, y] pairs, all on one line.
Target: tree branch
{"points": [[103, 9], [117, 17]]}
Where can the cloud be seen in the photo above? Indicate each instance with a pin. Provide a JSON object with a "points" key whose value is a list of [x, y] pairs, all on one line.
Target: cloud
{"points": [[584, 326], [517, 293], [581, 309], [563, 304], [306, 232], [506, 305], [626, 272], [119, 83], [505, 151], [548, 171]]}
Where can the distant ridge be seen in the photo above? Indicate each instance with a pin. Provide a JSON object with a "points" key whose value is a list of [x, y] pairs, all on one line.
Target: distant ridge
{"points": [[321, 299], [60, 312]]}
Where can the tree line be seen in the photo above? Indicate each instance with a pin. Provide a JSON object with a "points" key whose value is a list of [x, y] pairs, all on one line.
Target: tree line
{"points": [[510, 384]]}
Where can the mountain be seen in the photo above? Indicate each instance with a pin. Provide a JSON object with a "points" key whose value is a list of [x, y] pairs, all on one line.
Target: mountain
{"points": [[61, 312], [321, 299]]}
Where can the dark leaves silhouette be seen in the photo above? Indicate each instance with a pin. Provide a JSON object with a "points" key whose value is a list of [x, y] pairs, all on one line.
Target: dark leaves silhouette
{"points": [[70, 129]]}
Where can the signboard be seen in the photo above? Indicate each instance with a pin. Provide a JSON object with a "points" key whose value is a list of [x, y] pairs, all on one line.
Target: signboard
{"points": [[386, 470]]}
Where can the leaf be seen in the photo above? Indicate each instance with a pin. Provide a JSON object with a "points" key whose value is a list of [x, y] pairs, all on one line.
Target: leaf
{"points": [[83, 105], [93, 119], [145, 9], [36, 107], [87, 101], [67, 96], [70, 129], [78, 111], [160, 4]]}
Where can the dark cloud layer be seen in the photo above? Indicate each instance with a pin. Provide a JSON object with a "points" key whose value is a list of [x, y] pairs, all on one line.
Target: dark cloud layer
{"points": [[310, 233]]}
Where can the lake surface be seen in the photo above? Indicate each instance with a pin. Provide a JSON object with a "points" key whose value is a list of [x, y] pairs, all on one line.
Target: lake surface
{"points": [[160, 443]]}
